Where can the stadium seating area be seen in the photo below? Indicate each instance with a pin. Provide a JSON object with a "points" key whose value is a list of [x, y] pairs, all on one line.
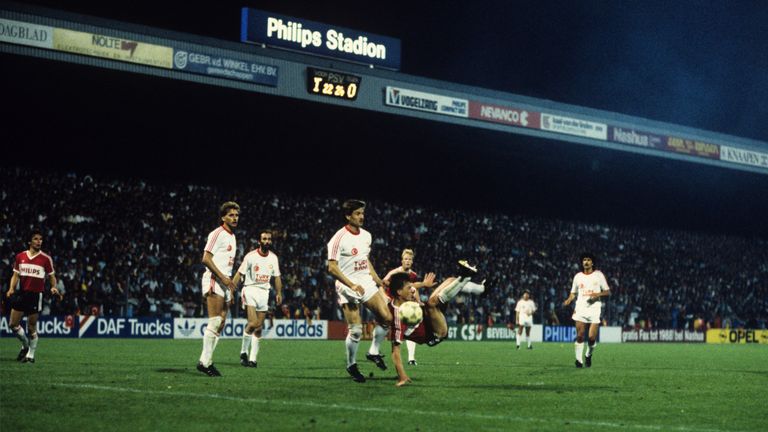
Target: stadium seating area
{"points": [[127, 247]]}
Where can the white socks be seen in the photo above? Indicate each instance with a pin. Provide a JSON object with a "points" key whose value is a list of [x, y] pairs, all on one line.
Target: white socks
{"points": [[20, 335], [32, 345], [209, 344], [579, 350], [379, 333], [452, 290], [411, 349], [352, 342], [474, 288], [246, 342], [254, 347]]}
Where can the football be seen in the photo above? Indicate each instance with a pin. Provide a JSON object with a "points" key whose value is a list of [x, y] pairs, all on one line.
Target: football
{"points": [[410, 313]]}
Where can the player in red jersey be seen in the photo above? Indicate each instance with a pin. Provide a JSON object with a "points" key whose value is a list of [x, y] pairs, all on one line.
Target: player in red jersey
{"points": [[434, 328], [29, 271]]}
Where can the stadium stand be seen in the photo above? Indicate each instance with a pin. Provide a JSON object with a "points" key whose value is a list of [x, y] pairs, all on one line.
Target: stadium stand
{"points": [[132, 248]]}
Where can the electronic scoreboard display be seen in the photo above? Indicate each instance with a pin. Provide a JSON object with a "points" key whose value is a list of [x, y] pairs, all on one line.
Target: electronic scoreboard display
{"points": [[333, 84]]}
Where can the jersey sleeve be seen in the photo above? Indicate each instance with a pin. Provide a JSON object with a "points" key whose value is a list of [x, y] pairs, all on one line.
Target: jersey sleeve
{"points": [[49, 266], [517, 307], [211, 242], [603, 283], [16, 263], [334, 247], [277, 267], [574, 286], [243, 266]]}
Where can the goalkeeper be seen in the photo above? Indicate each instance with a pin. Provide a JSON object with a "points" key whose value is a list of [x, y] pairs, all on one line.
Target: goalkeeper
{"points": [[433, 329]]}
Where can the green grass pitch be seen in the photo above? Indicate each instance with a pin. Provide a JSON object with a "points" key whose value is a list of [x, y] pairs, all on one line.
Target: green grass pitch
{"points": [[147, 385]]}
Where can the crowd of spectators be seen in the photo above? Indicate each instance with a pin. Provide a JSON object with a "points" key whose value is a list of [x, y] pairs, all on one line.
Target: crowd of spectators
{"points": [[133, 248]]}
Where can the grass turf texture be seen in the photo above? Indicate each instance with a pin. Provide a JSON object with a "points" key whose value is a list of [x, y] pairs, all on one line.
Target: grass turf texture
{"points": [[129, 384]]}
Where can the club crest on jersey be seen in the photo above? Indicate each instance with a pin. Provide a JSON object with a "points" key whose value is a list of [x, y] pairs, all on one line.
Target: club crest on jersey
{"points": [[256, 268], [354, 251], [229, 248]]}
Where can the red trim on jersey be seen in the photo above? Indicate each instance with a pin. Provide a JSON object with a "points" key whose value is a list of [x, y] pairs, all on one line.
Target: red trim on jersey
{"points": [[225, 228], [353, 233], [264, 255], [335, 247], [209, 246]]}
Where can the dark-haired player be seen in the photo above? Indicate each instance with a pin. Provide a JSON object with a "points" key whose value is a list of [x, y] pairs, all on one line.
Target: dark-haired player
{"points": [[259, 267], [356, 282], [406, 266], [30, 269], [434, 328], [590, 285], [524, 318]]}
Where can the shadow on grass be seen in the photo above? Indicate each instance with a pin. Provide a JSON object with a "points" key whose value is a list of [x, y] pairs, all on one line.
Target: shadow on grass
{"points": [[560, 388], [175, 370]]}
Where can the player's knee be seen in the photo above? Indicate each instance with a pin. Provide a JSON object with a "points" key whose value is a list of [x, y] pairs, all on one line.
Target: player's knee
{"points": [[580, 338], [592, 340], [214, 324], [355, 332]]}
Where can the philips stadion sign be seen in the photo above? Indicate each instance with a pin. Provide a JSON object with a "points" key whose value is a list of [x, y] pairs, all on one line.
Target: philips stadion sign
{"points": [[298, 34]]}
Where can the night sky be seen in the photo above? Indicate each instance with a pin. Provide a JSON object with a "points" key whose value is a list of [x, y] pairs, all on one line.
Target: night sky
{"points": [[698, 64]]}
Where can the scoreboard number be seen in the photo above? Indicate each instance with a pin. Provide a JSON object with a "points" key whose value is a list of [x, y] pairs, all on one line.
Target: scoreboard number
{"points": [[333, 84]]}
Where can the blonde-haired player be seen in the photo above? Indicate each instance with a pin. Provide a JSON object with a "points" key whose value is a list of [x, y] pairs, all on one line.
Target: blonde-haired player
{"points": [[590, 285], [218, 288], [524, 318], [259, 266]]}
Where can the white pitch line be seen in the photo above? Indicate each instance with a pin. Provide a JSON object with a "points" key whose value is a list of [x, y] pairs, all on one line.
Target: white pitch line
{"points": [[391, 410]]}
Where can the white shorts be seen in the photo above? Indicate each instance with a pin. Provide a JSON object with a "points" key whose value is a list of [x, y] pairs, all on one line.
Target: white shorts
{"points": [[590, 315], [211, 286], [256, 297], [346, 295], [526, 322]]}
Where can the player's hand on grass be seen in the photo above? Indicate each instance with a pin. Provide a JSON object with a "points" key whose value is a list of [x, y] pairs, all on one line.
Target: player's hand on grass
{"points": [[403, 381]]}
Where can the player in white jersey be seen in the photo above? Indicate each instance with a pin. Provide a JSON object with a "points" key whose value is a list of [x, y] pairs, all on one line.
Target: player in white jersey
{"points": [[407, 267], [258, 268], [218, 288], [590, 285], [524, 318], [357, 282]]}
